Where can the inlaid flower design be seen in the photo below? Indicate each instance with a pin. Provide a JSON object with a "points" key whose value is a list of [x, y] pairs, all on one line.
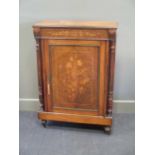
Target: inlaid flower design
{"points": [[76, 78]]}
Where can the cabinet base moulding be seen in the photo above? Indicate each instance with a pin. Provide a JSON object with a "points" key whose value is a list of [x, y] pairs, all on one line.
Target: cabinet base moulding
{"points": [[84, 119]]}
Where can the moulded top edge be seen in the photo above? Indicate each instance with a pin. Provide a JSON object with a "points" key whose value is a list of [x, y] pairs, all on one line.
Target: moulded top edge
{"points": [[76, 24]]}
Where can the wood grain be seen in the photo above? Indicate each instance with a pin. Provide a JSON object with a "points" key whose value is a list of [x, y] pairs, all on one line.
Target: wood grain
{"points": [[80, 24], [98, 120]]}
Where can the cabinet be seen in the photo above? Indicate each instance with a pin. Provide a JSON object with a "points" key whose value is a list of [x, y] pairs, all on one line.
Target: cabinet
{"points": [[75, 62]]}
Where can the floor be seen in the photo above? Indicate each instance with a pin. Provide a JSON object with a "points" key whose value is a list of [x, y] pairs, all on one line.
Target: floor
{"points": [[75, 139]]}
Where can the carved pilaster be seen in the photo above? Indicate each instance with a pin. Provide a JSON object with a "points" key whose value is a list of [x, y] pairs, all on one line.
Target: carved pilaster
{"points": [[112, 34], [36, 32]]}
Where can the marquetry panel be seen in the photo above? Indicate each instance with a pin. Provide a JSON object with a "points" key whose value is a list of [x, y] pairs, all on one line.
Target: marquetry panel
{"points": [[74, 76], [75, 33]]}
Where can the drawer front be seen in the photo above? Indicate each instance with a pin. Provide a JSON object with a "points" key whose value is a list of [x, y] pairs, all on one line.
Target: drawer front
{"points": [[85, 34]]}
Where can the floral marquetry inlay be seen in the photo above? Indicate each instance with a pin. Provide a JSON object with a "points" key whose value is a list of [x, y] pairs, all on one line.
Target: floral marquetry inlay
{"points": [[74, 76], [75, 33]]}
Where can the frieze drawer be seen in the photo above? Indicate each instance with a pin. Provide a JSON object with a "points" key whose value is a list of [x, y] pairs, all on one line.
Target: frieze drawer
{"points": [[87, 34]]}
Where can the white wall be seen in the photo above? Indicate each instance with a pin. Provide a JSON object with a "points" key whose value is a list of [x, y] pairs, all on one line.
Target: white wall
{"points": [[121, 11]]}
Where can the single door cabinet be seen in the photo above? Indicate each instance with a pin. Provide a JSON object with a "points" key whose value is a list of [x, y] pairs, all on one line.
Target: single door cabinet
{"points": [[76, 71]]}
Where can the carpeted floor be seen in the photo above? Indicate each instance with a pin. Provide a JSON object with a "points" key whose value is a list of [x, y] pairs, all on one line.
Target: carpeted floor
{"points": [[73, 139]]}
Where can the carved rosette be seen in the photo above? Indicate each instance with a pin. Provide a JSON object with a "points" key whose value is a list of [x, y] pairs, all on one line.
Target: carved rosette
{"points": [[112, 34], [36, 32]]}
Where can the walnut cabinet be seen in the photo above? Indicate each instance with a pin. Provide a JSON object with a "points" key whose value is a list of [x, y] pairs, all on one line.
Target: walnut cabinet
{"points": [[75, 62]]}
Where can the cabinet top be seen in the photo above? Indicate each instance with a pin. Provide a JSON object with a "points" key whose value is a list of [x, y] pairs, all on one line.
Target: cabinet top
{"points": [[76, 24]]}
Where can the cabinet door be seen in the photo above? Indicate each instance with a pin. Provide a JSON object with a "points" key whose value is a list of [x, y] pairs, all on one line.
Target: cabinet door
{"points": [[75, 73]]}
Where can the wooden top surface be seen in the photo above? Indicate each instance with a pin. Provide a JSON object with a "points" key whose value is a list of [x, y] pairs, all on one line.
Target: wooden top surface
{"points": [[76, 24]]}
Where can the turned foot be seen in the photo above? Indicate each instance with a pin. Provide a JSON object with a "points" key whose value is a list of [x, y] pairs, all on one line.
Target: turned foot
{"points": [[44, 123], [107, 129]]}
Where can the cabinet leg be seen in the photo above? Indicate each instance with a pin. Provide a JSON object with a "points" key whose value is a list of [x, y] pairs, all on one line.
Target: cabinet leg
{"points": [[44, 123], [107, 129]]}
